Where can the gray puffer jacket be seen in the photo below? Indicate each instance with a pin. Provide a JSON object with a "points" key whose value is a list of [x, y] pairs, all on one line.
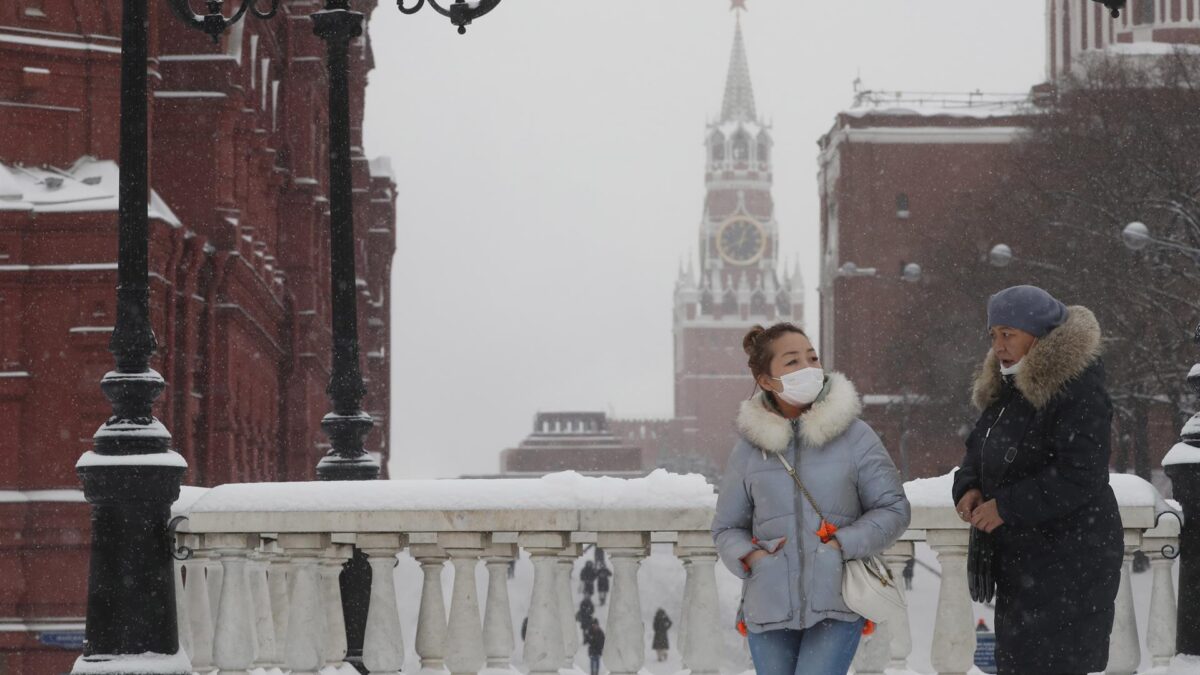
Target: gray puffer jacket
{"points": [[848, 472]]}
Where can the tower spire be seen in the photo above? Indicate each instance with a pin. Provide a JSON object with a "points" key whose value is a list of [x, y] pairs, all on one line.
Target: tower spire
{"points": [[738, 105]]}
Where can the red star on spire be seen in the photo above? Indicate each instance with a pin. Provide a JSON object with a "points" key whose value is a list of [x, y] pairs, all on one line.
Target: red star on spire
{"points": [[738, 4]]}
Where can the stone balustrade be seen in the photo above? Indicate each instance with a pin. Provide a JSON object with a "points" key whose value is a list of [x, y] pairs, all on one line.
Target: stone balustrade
{"points": [[261, 591]]}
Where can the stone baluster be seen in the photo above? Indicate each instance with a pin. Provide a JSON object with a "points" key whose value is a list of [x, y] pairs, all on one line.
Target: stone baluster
{"points": [[383, 643], [464, 640], [264, 619], [681, 635], [214, 573], [702, 651], [181, 612], [200, 614], [235, 645], [332, 560], [625, 634], [498, 640], [1124, 647], [1161, 544], [566, 604], [304, 647], [543, 634], [874, 650], [431, 622], [899, 630], [954, 626], [278, 575]]}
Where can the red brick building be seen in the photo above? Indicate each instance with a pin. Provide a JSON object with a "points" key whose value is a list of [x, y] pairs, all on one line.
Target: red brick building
{"points": [[238, 264], [575, 441], [899, 175]]}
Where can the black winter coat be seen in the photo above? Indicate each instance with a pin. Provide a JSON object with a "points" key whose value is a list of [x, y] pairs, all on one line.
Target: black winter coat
{"points": [[662, 624], [1059, 551]]}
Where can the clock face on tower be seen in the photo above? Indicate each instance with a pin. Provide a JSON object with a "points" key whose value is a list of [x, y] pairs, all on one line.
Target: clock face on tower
{"points": [[741, 240]]}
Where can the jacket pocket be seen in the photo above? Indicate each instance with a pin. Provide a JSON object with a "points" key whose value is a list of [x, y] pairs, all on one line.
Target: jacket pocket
{"points": [[768, 597], [826, 592]]}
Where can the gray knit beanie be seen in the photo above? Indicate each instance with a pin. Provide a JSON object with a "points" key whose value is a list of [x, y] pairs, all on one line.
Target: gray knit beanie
{"points": [[1029, 308]]}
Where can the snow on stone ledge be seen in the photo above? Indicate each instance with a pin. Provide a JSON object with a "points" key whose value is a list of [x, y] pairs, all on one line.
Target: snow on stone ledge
{"points": [[149, 663], [168, 458], [931, 492], [1182, 453], [1131, 491], [557, 491]]}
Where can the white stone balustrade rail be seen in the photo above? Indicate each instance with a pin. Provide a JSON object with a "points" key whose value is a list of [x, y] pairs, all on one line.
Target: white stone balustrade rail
{"points": [[261, 591]]}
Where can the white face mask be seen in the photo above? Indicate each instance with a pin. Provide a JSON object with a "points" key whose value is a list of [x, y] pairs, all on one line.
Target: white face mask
{"points": [[802, 387], [1013, 369]]}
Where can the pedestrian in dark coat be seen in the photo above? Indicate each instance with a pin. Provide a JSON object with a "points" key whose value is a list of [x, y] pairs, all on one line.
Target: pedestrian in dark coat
{"points": [[661, 644], [909, 568], [594, 639], [588, 576], [585, 614], [1035, 475], [603, 574]]}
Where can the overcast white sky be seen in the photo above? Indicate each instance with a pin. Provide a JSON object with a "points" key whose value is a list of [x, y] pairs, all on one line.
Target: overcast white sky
{"points": [[550, 170]]}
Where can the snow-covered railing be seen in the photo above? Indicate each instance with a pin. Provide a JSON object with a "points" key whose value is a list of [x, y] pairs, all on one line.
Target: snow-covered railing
{"points": [[261, 587]]}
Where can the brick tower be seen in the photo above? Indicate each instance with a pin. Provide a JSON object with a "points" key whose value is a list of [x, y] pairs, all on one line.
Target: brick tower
{"points": [[738, 282]]}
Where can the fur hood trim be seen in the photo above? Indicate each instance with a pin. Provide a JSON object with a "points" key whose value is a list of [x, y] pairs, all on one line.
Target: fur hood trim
{"points": [[1054, 361], [828, 418]]}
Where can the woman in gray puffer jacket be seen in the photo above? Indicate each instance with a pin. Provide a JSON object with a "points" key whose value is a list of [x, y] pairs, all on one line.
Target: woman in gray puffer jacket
{"points": [[765, 530]]}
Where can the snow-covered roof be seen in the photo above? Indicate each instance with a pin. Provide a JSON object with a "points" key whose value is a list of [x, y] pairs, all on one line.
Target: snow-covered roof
{"points": [[973, 105], [381, 167], [88, 185]]}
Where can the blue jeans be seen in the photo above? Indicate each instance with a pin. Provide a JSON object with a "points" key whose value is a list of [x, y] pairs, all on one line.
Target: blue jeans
{"points": [[825, 649]]}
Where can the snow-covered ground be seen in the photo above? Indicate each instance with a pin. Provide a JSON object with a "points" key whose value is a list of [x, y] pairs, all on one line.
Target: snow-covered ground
{"points": [[661, 580]]}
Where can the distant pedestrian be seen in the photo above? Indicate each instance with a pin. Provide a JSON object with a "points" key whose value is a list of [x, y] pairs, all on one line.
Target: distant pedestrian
{"points": [[909, 567], [598, 555], [512, 568], [588, 576], [524, 625], [594, 639], [662, 624], [603, 574], [585, 614]]}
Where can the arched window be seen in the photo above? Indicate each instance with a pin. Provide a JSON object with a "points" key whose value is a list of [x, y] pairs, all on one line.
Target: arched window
{"points": [[902, 205], [764, 150], [741, 146], [716, 147]]}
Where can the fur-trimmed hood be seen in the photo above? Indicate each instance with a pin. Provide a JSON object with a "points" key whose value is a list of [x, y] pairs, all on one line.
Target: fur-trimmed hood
{"points": [[1056, 359], [830, 416]]}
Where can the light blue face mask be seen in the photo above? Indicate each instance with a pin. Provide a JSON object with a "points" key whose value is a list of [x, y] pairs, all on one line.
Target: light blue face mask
{"points": [[803, 386]]}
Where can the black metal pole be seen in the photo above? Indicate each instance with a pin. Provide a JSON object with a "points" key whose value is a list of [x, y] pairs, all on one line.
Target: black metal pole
{"points": [[346, 426], [132, 478], [1185, 487]]}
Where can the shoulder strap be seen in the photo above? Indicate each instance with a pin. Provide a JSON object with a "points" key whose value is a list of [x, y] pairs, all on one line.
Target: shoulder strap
{"points": [[792, 472]]}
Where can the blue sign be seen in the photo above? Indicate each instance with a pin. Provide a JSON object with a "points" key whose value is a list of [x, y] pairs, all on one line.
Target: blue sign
{"points": [[66, 639], [985, 651]]}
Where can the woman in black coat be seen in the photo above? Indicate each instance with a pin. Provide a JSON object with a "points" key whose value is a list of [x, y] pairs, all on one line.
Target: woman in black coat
{"points": [[661, 644], [1035, 476]]}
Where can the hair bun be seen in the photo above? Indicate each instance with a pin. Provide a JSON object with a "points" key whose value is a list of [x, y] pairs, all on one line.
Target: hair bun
{"points": [[748, 342]]}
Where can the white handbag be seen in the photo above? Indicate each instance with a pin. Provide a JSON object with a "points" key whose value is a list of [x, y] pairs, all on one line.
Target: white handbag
{"points": [[868, 587]]}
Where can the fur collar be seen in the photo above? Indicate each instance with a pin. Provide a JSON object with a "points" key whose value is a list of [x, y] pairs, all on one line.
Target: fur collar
{"points": [[828, 418], [1054, 361]]}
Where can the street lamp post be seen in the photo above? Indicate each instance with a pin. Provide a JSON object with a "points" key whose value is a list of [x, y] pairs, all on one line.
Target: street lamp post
{"points": [[1182, 466], [1002, 256], [131, 477]]}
